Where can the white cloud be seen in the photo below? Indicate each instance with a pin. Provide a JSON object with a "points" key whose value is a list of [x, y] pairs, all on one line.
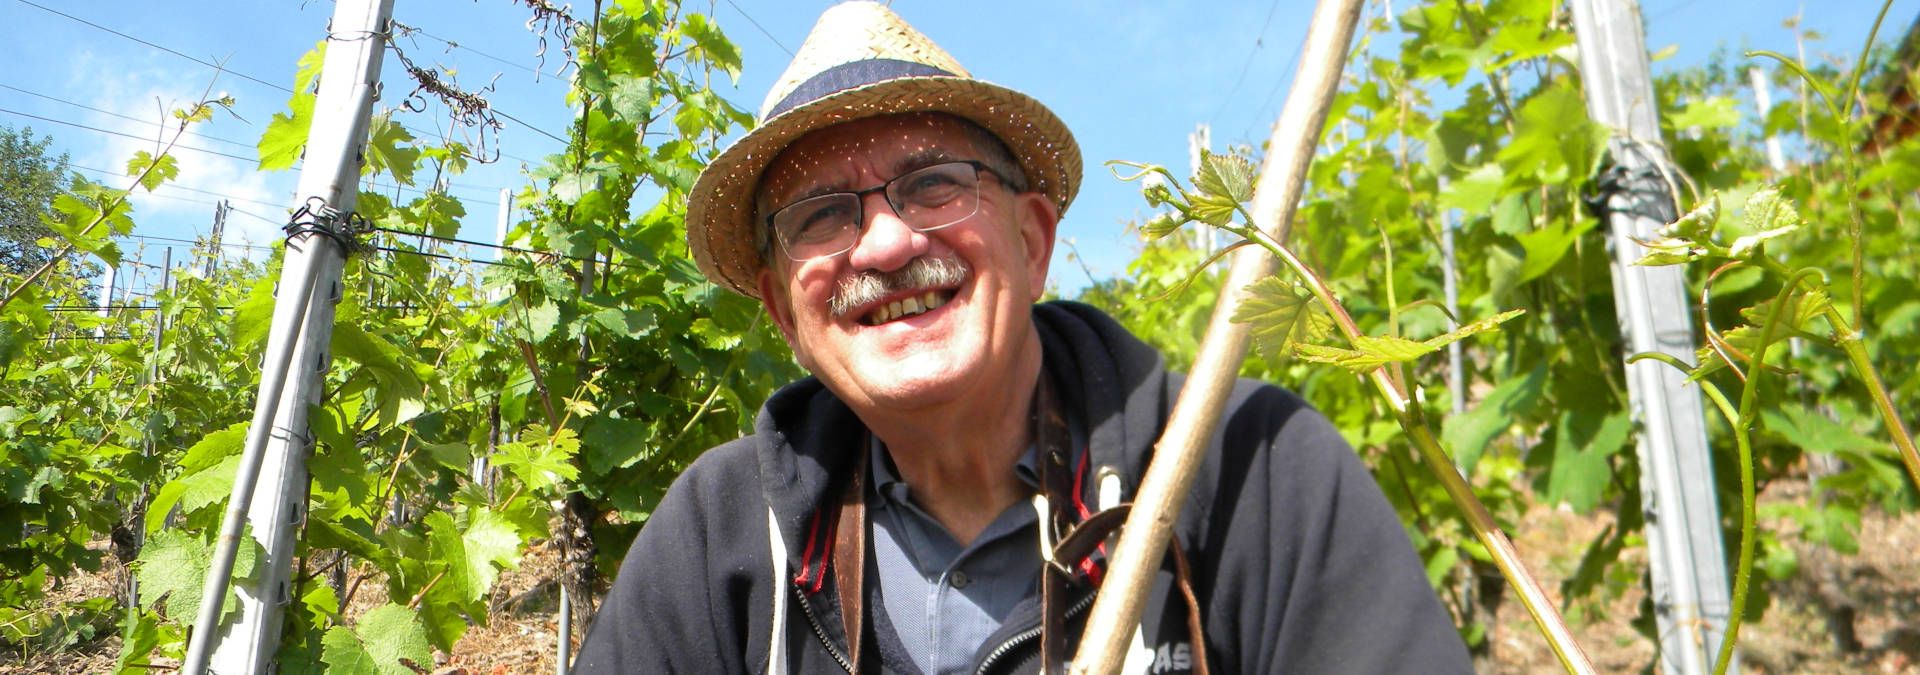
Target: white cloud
{"points": [[183, 207]]}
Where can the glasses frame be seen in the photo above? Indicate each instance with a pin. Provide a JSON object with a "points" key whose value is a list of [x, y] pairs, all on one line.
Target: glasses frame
{"points": [[860, 207]]}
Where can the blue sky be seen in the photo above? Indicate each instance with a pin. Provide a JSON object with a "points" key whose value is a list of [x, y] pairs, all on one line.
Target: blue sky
{"points": [[1132, 79]]}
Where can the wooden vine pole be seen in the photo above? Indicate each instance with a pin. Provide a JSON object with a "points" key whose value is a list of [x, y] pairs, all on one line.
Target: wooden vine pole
{"points": [[1116, 611]]}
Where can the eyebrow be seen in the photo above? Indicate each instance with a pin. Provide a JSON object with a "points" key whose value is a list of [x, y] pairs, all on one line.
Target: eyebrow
{"points": [[921, 159], [914, 161]]}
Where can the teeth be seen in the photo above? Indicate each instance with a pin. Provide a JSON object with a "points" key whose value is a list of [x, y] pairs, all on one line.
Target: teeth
{"points": [[906, 307]]}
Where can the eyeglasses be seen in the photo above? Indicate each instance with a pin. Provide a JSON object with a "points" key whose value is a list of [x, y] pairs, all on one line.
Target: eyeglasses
{"points": [[926, 199]]}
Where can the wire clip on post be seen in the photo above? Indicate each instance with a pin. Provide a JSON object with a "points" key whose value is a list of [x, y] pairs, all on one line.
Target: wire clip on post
{"points": [[1637, 174], [316, 217]]}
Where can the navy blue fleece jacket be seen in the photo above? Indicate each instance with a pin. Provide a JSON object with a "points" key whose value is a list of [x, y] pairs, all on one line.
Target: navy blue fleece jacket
{"points": [[1299, 563]]}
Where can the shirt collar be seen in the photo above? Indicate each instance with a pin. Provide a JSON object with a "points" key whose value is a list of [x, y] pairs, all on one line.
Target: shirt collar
{"points": [[887, 482]]}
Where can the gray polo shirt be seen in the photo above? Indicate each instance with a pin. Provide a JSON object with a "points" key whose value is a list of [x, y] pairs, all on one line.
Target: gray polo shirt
{"points": [[945, 600]]}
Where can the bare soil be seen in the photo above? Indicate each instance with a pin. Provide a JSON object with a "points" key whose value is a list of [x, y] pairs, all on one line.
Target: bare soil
{"points": [[1883, 582]]}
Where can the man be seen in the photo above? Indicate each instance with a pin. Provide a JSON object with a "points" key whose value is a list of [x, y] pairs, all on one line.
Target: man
{"points": [[933, 498]]}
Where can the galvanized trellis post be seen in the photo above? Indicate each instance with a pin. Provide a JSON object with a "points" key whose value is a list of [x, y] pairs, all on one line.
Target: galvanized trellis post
{"points": [[1690, 590], [106, 299], [213, 240], [270, 489]]}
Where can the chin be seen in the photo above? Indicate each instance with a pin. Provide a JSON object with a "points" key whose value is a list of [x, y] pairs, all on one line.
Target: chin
{"points": [[916, 381]]}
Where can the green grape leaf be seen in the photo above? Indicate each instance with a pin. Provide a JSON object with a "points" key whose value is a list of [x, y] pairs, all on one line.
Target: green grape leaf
{"points": [[1368, 352], [1281, 313], [1161, 225], [1229, 176], [286, 135], [1503, 272], [540, 461], [627, 322], [573, 185], [192, 492], [342, 469], [1669, 251], [140, 634], [390, 148], [1802, 308], [539, 321], [1553, 136], [173, 565], [1712, 112], [1491, 323], [214, 447], [386, 641], [1768, 216], [1212, 209], [1475, 192], [1698, 224], [163, 169], [254, 317], [1742, 340], [384, 361], [1469, 434], [1547, 246], [1818, 433], [614, 443], [713, 44], [472, 559], [1582, 443], [352, 536]]}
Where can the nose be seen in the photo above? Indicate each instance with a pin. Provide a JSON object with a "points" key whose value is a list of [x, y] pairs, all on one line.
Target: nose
{"points": [[886, 243]]}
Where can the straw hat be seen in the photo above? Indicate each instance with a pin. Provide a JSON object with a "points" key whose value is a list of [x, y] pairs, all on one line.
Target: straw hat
{"points": [[862, 60]]}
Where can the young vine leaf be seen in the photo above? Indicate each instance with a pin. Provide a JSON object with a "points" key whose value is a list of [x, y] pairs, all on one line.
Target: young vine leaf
{"points": [[1768, 216], [538, 460], [1282, 313], [165, 168], [1372, 351], [1225, 176], [1490, 323], [1368, 352]]}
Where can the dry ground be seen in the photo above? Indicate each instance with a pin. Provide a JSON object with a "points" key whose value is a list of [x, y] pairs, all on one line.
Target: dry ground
{"points": [[1792, 639]]}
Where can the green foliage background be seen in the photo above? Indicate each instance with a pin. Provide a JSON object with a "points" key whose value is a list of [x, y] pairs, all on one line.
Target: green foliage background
{"points": [[1471, 116]]}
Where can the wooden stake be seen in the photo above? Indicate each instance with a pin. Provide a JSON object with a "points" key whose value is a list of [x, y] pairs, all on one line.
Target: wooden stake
{"points": [[1177, 457]]}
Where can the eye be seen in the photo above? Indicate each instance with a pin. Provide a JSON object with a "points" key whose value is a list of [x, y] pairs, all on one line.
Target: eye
{"points": [[816, 219], [933, 186]]}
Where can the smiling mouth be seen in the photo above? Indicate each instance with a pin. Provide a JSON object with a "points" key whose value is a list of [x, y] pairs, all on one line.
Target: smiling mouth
{"points": [[913, 305]]}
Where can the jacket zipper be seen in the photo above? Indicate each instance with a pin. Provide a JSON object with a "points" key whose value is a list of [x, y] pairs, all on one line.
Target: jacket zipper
{"points": [[807, 609], [1014, 642]]}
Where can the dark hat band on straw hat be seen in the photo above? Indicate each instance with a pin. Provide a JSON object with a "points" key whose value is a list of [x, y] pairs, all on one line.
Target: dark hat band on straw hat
{"points": [[861, 60], [851, 75]]}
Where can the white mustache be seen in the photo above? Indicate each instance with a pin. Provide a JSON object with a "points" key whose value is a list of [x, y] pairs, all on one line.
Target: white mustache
{"points": [[870, 287]]}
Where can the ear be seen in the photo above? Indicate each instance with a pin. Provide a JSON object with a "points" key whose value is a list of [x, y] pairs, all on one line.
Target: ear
{"points": [[1038, 219], [773, 297]]}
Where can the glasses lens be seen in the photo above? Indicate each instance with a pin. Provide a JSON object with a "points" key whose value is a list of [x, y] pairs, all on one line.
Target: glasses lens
{"points": [[936, 196], [819, 226]]}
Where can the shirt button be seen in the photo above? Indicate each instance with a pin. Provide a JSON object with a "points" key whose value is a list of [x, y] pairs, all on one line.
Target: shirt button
{"points": [[959, 579]]}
